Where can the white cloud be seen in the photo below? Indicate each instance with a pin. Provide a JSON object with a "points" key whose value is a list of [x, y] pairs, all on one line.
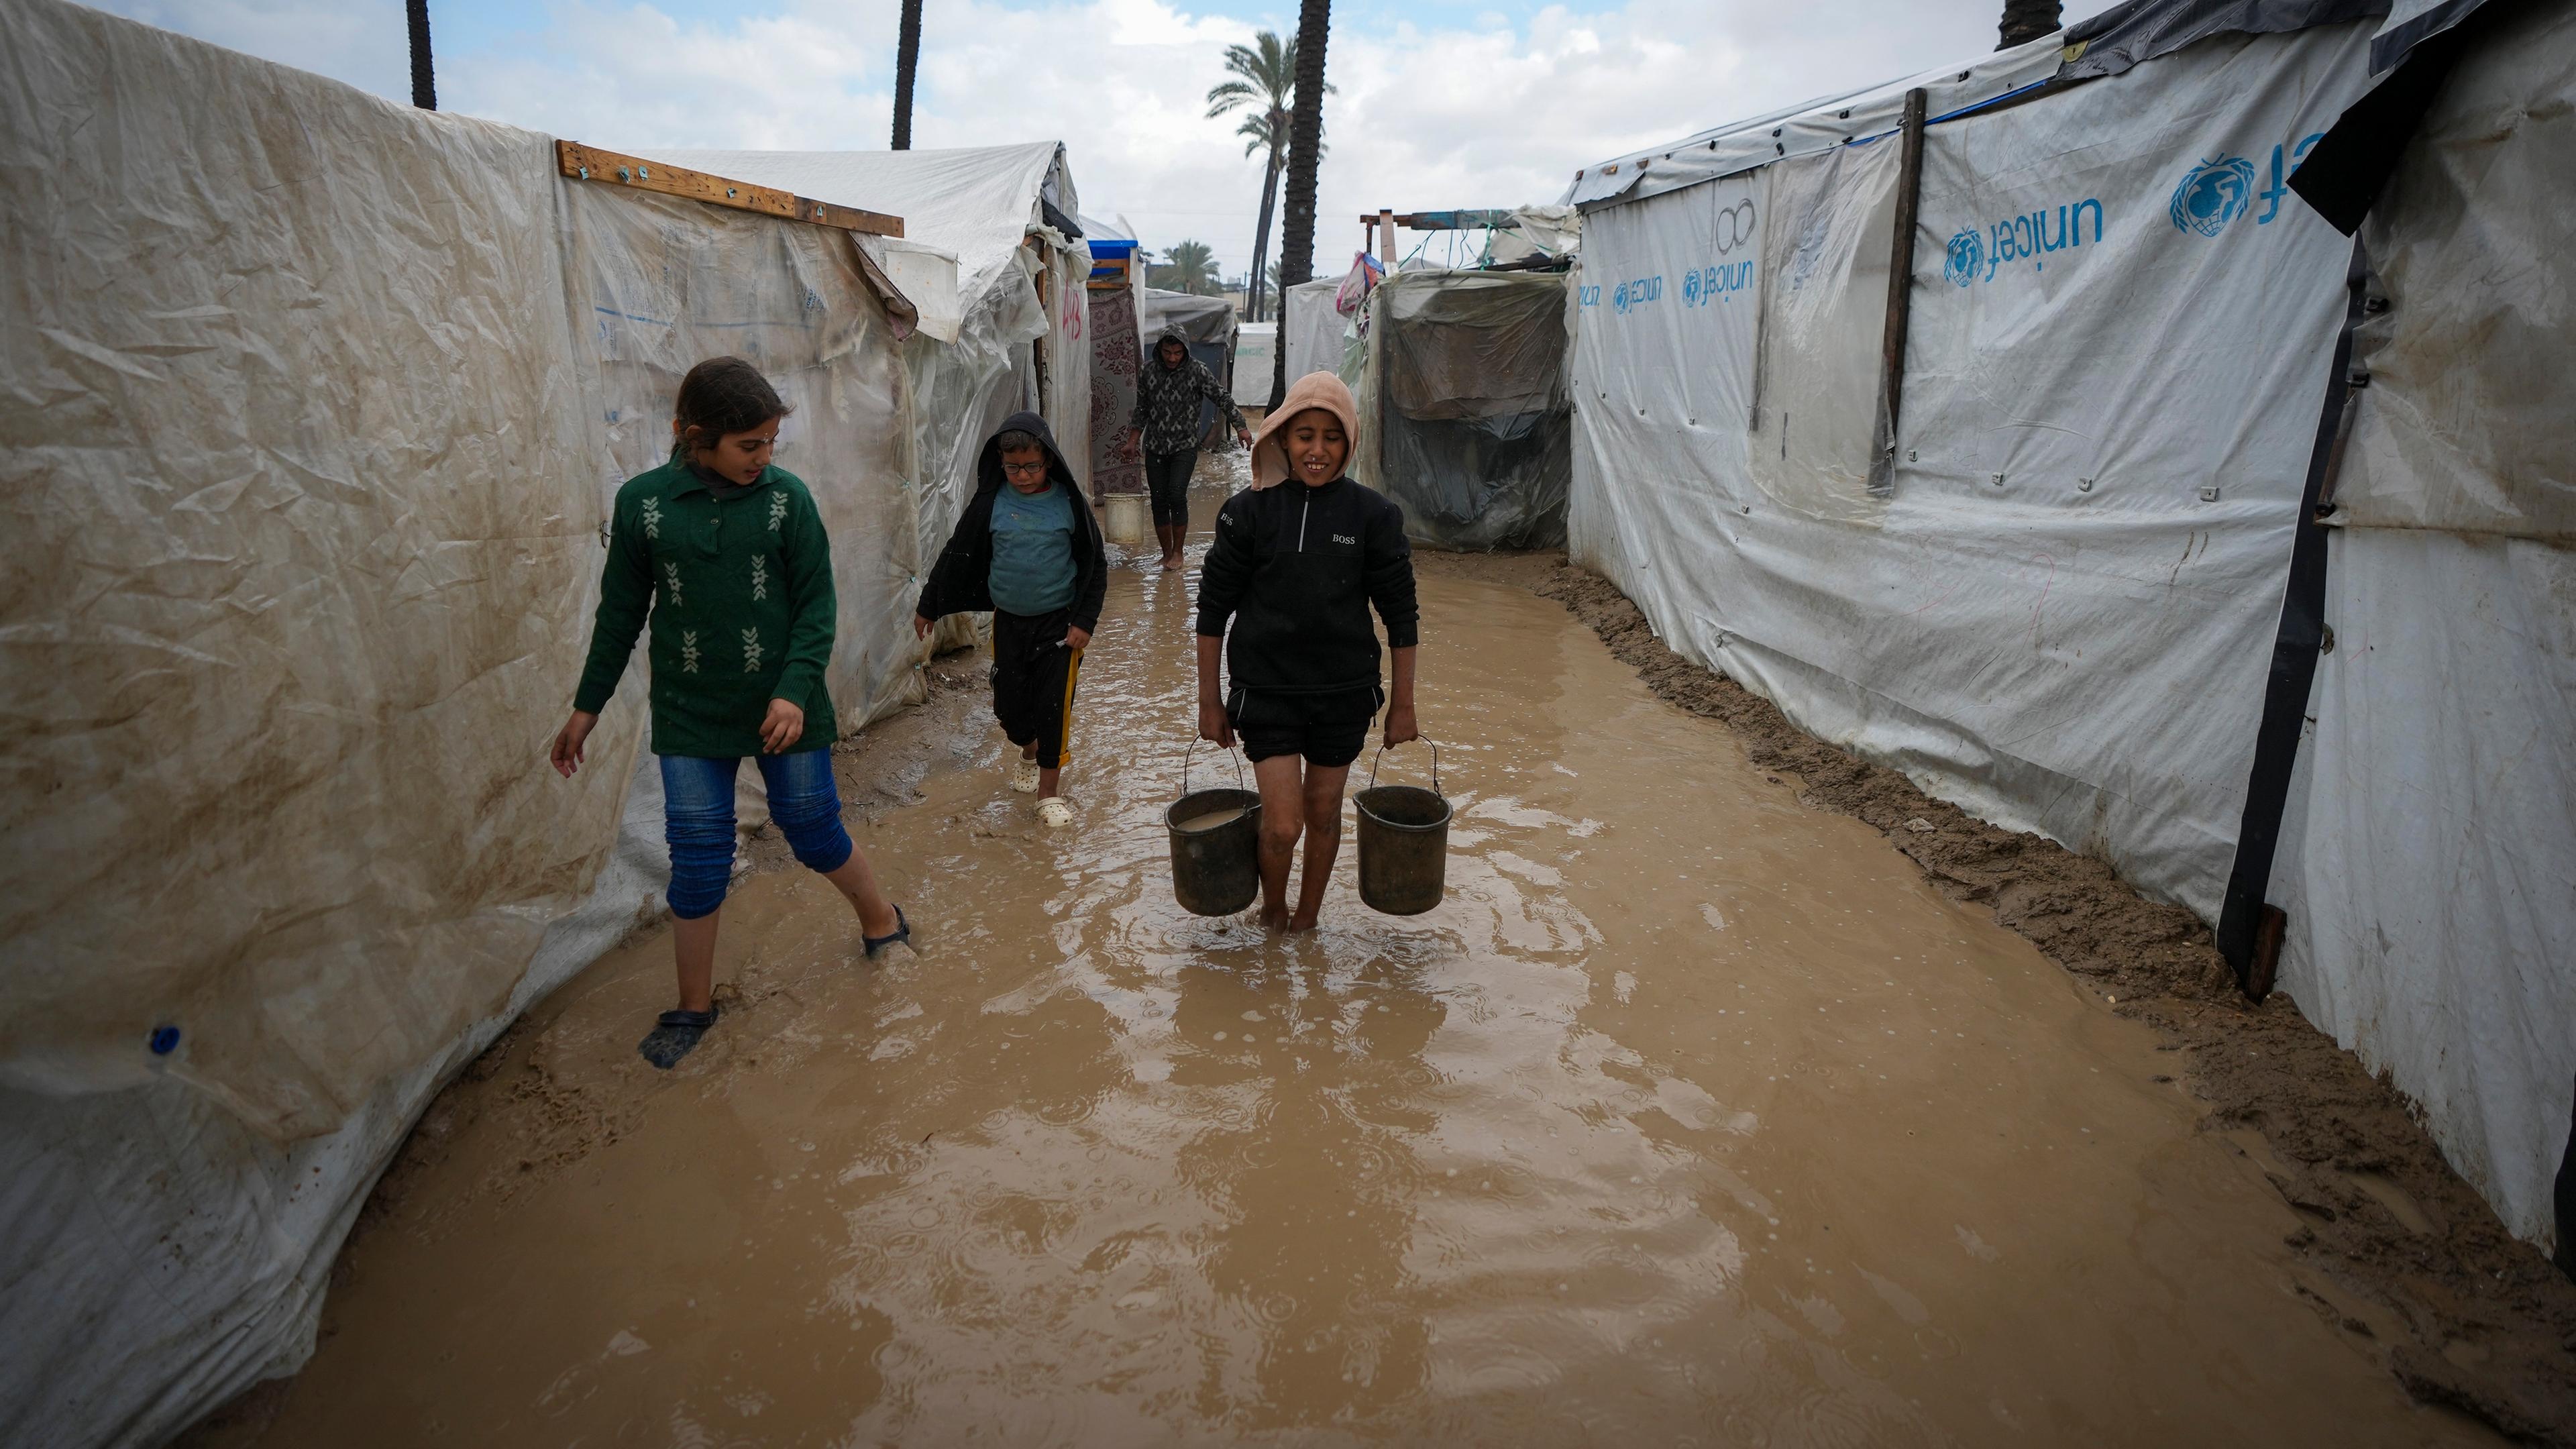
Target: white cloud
{"points": [[1481, 113]]}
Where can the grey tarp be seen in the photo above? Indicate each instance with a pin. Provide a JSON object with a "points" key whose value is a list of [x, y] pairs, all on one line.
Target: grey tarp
{"points": [[1474, 421]]}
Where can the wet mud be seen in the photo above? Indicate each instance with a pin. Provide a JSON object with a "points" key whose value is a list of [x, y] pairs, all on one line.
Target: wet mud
{"points": [[1693, 1114], [2461, 1312]]}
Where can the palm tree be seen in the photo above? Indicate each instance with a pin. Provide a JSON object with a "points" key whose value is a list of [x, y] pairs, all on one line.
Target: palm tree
{"points": [[1305, 144], [907, 59], [2027, 20], [424, 82], [1188, 267], [1266, 79]]}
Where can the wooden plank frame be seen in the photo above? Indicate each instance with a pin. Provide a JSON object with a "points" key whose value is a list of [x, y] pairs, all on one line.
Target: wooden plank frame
{"points": [[590, 163]]}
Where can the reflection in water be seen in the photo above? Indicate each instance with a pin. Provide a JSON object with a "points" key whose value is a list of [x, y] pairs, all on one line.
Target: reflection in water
{"points": [[1688, 1117]]}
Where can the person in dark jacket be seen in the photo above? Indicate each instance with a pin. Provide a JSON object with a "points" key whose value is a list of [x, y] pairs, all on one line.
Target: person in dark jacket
{"points": [[1031, 553], [1299, 559], [1168, 389]]}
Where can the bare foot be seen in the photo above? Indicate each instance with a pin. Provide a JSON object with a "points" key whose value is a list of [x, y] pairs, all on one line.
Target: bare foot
{"points": [[1298, 924], [1274, 921], [1171, 565]]}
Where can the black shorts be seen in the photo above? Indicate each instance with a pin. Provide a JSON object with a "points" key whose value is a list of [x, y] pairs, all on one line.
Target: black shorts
{"points": [[1328, 729], [1033, 675]]}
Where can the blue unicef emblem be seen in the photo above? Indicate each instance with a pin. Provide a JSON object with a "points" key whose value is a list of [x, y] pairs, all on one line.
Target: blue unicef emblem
{"points": [[2213, 195], [1619, 298], [1967, 256], [1690, 289]]}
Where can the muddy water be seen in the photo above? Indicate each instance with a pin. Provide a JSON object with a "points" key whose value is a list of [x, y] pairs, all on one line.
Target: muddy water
{"points": [[1690, 1116]]}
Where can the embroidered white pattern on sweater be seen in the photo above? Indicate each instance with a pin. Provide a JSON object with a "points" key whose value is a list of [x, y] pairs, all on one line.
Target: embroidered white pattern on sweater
{"points": [[652, 518], [777, 511], [759, 578], [751, 651], [688, 651], [671, 584]]}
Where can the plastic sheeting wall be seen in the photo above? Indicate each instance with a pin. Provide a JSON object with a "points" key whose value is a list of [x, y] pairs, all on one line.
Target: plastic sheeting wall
{"points": [[1311, 330], [1473, 418], [2061, 615], [322, 403], [2428, 858], [1018, 282]]}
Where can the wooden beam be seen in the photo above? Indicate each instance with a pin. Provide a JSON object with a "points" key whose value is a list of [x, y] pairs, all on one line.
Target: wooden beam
{"points": [[1900, 298], [589, 163]]}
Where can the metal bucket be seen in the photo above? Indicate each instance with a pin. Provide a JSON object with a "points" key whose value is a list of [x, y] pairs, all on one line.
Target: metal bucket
{"points": [[1216, 871], [1128, 515], [1404, 843]]}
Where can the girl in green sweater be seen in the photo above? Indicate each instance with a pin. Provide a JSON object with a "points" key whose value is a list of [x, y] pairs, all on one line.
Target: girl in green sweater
{"points": [[725, 556]]}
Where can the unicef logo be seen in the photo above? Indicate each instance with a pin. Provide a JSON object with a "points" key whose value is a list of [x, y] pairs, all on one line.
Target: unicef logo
{"points": [[1690, 289], [2213, 195], [1967, 256], [1619, 298]]}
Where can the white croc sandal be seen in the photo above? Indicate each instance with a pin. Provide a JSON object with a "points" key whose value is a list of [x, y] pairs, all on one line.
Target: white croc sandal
{"points": [[1054, 811], [1024, 775]]}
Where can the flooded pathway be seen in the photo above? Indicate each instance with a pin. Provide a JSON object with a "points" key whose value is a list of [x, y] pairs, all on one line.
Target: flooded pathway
{"points": [[1692, 1116]]}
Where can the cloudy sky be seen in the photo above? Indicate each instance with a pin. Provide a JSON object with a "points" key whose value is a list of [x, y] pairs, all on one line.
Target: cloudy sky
{"points": [[1440, 103]]}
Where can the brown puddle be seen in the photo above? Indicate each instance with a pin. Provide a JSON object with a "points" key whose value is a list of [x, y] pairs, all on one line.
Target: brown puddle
{"points": [[1692, 1115]]}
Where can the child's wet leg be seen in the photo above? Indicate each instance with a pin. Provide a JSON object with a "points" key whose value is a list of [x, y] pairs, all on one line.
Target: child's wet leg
{"points": [[1282, 783], [1048, 777], [857, 883], [1322, 808], [693, 944]]}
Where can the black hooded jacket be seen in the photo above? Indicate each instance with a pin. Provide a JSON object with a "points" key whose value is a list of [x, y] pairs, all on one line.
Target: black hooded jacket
{"points": [[962, 580], [1296, 570]]}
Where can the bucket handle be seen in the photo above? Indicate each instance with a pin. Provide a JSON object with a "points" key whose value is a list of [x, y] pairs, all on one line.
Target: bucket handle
{"points": [[1185, 767], [1435, 767]]}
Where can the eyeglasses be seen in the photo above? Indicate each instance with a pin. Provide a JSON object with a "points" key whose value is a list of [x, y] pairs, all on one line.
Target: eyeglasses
{"points": [[1025, 470]]}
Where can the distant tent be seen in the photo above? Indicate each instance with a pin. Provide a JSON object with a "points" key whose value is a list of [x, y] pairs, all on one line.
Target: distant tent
{"points": [[1115, 286], [1311, 330], [1255, 347], [1467, 416], [1006, 214], [2040, 563]]}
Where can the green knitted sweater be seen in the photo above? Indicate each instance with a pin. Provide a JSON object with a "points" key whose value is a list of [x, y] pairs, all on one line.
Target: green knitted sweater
{"points": [[739, 596]]}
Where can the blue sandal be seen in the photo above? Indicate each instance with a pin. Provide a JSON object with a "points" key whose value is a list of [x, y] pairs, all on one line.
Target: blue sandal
{"points": [[675, 1035], [902, 932]]}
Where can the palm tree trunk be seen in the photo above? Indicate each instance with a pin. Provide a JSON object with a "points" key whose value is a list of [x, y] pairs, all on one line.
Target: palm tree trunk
{"points": [[2027, 20], [1305, 139], [907, 59], [1261, 234], [424, 81]]}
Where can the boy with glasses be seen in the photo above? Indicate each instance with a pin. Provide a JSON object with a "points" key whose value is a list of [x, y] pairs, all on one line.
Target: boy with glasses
{"points": [[1032, 554]]}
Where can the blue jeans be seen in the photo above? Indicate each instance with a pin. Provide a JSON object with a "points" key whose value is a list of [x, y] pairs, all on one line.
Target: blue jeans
{"points": [[697, 821]]}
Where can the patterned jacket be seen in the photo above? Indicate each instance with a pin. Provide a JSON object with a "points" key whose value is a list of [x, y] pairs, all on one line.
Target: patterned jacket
{"points": [[1167, 399]]}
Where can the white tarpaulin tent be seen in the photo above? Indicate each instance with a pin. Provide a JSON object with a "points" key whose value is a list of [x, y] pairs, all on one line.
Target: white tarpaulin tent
{"points": [[1024, 313], [2428, 851], [2054, 599], [1255, 358], [1311, 330], [322, 402]]}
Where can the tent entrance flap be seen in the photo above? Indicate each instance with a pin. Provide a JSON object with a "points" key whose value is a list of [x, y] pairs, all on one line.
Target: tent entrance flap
{"points": [[1475, 420]]}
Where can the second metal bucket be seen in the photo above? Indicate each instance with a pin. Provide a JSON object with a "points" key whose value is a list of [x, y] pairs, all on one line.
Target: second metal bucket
{"points": [[1404, 843], [1216, 868]]}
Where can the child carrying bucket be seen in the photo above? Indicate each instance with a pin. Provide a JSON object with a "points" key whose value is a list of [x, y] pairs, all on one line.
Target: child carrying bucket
{"points": [[1296, 569], [726, 557]]}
